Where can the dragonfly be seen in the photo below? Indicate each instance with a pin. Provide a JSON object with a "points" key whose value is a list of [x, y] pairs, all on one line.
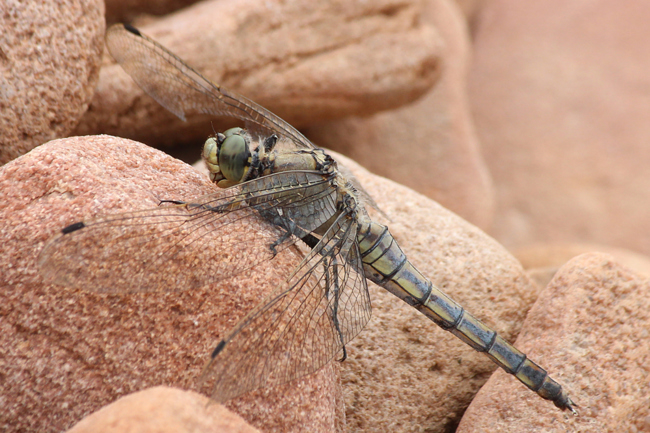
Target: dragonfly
{"points": [[289, 194]]}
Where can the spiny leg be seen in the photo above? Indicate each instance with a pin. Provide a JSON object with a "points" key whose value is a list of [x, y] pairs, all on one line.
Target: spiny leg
{"points": [[172, 202], [279, 241]]}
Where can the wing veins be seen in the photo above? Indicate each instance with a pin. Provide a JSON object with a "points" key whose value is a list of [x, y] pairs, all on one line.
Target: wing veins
{"points": [[241, 107]]}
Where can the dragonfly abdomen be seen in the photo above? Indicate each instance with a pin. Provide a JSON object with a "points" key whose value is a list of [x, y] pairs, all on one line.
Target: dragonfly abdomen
{"points": [[386, 264]]}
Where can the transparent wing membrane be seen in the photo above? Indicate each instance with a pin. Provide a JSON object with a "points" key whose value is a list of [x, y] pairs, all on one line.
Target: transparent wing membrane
{"points": [[320, 306], [302, 325], [308, 320], [182, 90], [184, 246]]}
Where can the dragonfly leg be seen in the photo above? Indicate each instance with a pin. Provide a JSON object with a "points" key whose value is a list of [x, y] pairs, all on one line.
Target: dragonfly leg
{"points": [[189, 205], [171, 201], [279, 241], [345, 354]]}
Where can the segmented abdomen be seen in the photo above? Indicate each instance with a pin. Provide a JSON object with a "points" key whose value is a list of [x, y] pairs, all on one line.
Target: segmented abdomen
{"points": [[386, 264]]}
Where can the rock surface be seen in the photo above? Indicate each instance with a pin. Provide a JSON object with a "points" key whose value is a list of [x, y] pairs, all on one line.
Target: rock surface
{"points": [[163, 410], [83, 349], [301, 60], [470, 8], [429, 145], [591, 323], [542, 261], [559, 92], [422, 375], [50, 54], [560, 97], [403, 373], [66, 352]]}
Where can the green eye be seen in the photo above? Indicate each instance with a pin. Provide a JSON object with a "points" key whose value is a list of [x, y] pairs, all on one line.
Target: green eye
{"points": [[233, 156], [233, 131]]}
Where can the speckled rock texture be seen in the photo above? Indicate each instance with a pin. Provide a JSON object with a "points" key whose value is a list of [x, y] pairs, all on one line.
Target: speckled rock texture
{"points": [[84, 350], [65, 352], [429, 145], [559, 92], [50, 54], [550, 158], [300, 59], [163, 410], [591, 325], [404, 373]]}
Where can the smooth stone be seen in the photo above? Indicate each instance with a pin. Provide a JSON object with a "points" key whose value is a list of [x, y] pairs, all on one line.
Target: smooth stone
{"points": [[163, 410], [589, 327], [301, 60]]}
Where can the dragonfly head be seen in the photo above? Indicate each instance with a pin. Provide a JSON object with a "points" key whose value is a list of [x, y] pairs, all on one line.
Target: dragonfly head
{"points": [[228, 157]]}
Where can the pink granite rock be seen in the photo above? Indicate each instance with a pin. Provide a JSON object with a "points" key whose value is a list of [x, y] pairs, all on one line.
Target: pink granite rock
{"points": [[50, 54], [403, 372], [429, 145], [66, 352], [470, 9], [560, 97], [83, 350], [302, 60], [542, 261], [591, 324], [163, 410]]}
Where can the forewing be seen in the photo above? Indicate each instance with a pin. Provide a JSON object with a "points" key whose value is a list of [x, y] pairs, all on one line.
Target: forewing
{"points": [[182, 90], [302, 325], [179, 247]]}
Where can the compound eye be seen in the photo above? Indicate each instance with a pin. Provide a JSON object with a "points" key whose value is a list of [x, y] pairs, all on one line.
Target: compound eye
{"points": [[233, 131], [233, 156]]}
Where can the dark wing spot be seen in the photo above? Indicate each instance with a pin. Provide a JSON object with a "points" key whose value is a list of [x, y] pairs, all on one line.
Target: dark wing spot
{"points": [[218, 349], [73, 227], [132, 29]]}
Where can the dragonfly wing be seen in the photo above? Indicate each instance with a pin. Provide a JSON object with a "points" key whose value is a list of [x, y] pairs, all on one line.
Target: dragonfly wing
{"points": [[302, 201], [302, 325], [182, 90], [179, 247]]}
